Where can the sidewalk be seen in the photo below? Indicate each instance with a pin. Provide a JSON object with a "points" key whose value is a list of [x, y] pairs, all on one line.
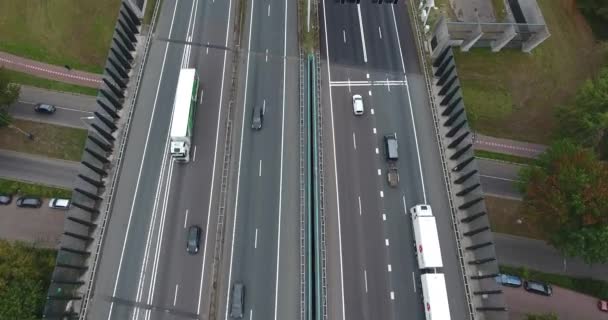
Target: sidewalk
{"points": [[507, 146], [49, 71]]}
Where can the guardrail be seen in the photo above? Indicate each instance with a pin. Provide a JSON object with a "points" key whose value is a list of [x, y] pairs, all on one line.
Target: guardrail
{"points": [[419, 38]]}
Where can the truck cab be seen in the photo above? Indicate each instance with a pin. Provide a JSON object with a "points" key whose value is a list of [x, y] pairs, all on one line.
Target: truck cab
{"points": [[180, 150]]}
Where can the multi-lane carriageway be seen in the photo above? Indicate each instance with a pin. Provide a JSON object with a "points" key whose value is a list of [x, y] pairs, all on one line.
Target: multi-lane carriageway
{"points": [[145, 272]]}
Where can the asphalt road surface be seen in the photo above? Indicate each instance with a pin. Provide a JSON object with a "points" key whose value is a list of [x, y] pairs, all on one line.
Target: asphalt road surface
{"points": [[499, 178], [262, 235], [145, 271], [37, 169], [369, 50]]}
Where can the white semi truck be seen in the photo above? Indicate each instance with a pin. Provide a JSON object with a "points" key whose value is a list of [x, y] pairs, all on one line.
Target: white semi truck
{"points": [[184, 108], [435, 296], [426, 238]]}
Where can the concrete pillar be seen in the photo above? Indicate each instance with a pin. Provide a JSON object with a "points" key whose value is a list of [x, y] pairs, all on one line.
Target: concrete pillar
{"points": [[479, 246], [77, 236], [70, 266], [508, 34], [85, 208], [82, 222], [447, 86], [97, 156], [113, 88], [463, 164], [93, 182], [126, 30], [102, 132], [106, 121], [88, 194], [482, 261], [484, 276], [458, 140], [108, 109], [68, 282], [95, 169], [124, 39], [451, 107], [491, 309], [105, 146], [120, 57], [449, 96], [476, 231], [129, 22], [439, 60], [125, 52], [75, 251], [117, 104], [468, 190], [119, 68], [484, 292], [453, 118], [460, 152], [473, 217], [465, 177], [476, 34], [119, 80], [454, 130], [470, 203], [535, 40], [134, 18], [445, 76]]}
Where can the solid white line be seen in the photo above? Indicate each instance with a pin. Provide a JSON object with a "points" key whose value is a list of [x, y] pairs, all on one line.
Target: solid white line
{"points": [[369, 93], [386, 242], [238, 175], [276, 294], [201, 95], [255, 242], [359, 198], [260, 171], [122, 253], [250, 314], [194, 155], [392, 295], [377, 150], [344, 35], [379, 172], [365, 276], [375, 133], [266, 55], [390, 269], [269, 10], [367, 75], [414, 280], [186, 219], [175, 296], [384, 217], [380, 32], [354, 141], [362, 34], [404, 206], [62, 108], [333, 139], [411, 108], [497, 178], [217, 134], [381, 194]]}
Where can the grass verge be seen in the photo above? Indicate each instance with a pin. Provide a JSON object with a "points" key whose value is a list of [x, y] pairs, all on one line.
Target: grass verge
{"points": [[309, 40], [32, 189], [511, 94], [507, 216], [500, 11], [43, 30], [588, 286], [26, 79], [149, 11], [49, 140], [504, 157]]}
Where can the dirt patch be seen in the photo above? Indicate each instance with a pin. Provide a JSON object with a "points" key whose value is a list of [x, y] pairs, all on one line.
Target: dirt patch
{"points": [[507, 216]]}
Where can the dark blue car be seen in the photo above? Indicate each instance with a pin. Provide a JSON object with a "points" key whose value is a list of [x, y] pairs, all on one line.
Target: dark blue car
{"points": [[509, 280]]}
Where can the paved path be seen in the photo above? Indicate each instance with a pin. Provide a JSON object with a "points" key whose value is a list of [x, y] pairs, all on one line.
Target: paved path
{"points": [[33, 168], [49, 71], [537, 255], [507, 146], [73, 110], [499, 178]]}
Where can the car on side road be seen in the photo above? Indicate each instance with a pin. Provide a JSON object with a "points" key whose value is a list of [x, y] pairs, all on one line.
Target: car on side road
{"points": [[56, 203], [6, 199], [358, 108], [509, 280], [602, 305], [238, 300], [193, 239], [29, 202], [45, 108], [257, 118], [538, 287]]}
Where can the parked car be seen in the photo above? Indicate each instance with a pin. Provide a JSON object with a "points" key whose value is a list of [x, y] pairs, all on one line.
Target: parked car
{"points": [[45, 108], [194, 238], [6, 199], [538, 287], [603, 305], [29, 202], [509, 280], [57, 203]]}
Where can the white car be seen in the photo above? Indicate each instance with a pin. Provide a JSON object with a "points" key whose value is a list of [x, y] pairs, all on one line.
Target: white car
{"points": [[358, 104], [62, 204]]}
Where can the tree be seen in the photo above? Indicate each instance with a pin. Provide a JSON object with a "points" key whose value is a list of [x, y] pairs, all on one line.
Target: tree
{"points": [[567, 193], [9, 92], [586, 121], [598, 8], [543, 316]]}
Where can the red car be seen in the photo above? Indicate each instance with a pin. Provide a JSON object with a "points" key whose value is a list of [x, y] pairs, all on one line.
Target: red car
{"points": [[603, 305]]}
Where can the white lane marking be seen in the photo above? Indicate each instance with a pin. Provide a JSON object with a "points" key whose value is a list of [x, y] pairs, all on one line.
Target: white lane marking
{"points": [[375, 133], [255, 242], [238, 175], [498, 178], [201, 95], [372, 111], [354, 141], [369, 92], [175, 295], [62, 108], [344, 35], [269, 10], [386, 242], [194, 155], [186, 219], [260, 171], [381, 194], [359, 199], [414, 280], [384, 217], [367, 75], [266, 55], [380, 32], [217, 134], [207, 51], [362, 34], [390, 268], [392, 295], [409, 98], [333, 140], [388, 85], [377, 150], [124, 244], [404, 206], [364, 83], [365, 277], [379, 172], [250, 314], [276, 294], [348, 84], [264, 107]]}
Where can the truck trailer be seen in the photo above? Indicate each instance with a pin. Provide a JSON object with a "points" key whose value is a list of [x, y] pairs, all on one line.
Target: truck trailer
{"points": [[426, 238], [435, 296], [184, 108]]}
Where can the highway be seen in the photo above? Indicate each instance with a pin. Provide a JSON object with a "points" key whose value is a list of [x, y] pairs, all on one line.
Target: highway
{"points": [[262, 248], [145, 272], [369, 49]]}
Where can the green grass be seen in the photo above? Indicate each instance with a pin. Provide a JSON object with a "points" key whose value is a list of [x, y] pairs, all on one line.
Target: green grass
{"points": [[504, 157], [49, 140], [73, 32], [309, 40], [588, 286], [500, 12], [32, 189], [150, 11], [507, 216], [514, 95], [29, 80]]}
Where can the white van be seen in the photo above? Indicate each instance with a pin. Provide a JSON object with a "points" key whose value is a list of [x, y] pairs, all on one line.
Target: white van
{"points": [[358, 104]]}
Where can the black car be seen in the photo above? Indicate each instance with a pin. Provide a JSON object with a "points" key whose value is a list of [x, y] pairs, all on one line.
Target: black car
{"points": [[238, 300], [193, 240], [45, 108], [257, 118], [6, 199], [29, 202], [538, 287]]}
